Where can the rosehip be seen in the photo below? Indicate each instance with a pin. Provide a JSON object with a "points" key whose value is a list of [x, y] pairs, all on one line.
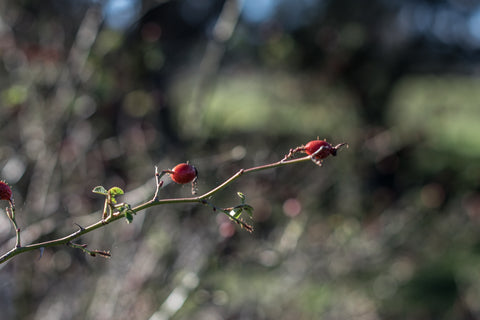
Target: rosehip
{"points": [[319, 149], [183, 173], [327, 149], [5, 191]]}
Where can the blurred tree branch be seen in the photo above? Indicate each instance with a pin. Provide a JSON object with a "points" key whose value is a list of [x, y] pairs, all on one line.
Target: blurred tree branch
{"points": [[222, 32]]}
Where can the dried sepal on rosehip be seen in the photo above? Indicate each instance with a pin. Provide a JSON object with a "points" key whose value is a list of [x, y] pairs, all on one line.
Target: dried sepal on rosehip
{"points": [[184, 173], [318, 149]]}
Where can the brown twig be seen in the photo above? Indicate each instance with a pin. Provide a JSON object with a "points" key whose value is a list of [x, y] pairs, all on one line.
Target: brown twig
{"points": [[11, 217]]}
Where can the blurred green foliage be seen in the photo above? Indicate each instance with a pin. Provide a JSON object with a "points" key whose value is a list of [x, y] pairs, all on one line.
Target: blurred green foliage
{"points": [[291, 104], [442, 110]]}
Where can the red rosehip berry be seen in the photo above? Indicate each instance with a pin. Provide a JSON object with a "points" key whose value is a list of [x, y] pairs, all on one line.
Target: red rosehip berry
{"points": [[327, 149], [183, 173], [5, 191], [318, 149]]}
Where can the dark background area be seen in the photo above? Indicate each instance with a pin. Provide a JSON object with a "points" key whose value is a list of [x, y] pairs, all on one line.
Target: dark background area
{"points": [[100, 92]]}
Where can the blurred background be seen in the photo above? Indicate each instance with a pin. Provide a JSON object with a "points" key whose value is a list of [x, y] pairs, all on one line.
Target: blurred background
{"points": [[99, 92]]}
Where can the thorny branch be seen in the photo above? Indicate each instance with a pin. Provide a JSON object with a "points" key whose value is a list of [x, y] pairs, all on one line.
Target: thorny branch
{"points": [[116, 215]]}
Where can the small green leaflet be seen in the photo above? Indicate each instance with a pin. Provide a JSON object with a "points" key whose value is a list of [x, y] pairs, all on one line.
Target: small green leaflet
{"points": [[129, 216], [100, 190], [242, 197], [115, 191]]}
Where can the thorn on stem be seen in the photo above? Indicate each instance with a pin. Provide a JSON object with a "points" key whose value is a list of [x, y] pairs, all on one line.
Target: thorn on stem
{"points": [[79, 227]]}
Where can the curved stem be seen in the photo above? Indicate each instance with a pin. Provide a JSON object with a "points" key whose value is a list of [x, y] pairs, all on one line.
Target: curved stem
{"points": [[154, 202]]}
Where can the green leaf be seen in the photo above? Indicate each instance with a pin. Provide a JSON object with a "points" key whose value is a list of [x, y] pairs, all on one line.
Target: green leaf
{"points": [[242, 196], [129, 216], [115, 191], [248, 209], [236, 212], [127, 211], [100, 190]]}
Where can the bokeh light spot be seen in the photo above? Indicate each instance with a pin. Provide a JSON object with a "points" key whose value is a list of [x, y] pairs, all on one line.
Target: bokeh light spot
{"points": [[138, 103], [432, 195], [292, 207]]}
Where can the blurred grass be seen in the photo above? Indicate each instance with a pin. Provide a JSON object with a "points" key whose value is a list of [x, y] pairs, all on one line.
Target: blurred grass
{"points": [[443, 111], [276, 103]]}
